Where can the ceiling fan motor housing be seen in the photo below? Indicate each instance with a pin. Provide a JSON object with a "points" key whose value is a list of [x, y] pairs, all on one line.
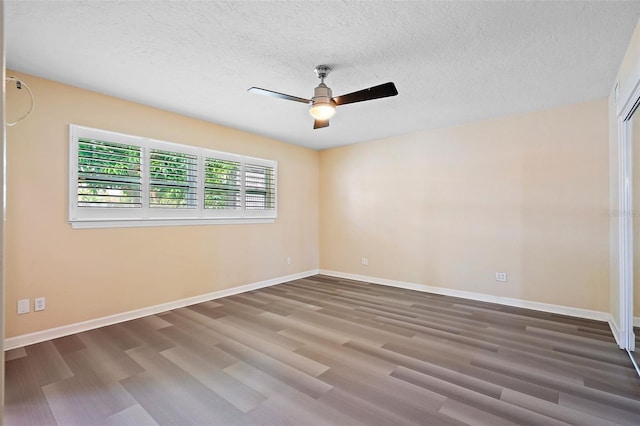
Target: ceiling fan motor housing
{"points": [[322, 94]]}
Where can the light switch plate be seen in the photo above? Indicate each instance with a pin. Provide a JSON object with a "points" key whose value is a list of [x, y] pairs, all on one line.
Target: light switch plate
{"points": [[23, 306]]}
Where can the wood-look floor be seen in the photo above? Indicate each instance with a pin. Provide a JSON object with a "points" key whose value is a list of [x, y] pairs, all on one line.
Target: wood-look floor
{"points": [[326, 351]]}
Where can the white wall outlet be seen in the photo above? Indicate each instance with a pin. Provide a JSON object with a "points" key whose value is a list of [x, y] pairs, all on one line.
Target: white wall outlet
{"points": [[501, 276], [23, 306], [38, 304], [288, 261], [365, 261]]}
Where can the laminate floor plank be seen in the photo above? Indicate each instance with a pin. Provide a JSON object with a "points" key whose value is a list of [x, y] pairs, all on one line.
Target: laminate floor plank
{"points": [[412, 408], [284, 353], [25, 403], [181, 322], [508, 382], [132, 416], [627, 416], [484, 402], [67, 344], [344, 358], [241, 396], [16, 353], [328, 351], [552, 410], [308, 333], [85, 399], [571, 387], [358, 406], [469, 415], [172, 396], [47, 364], [565, 362], [277, 369]]}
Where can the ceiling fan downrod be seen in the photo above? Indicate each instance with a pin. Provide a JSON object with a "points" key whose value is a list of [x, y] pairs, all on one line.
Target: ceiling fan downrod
{"points": [[322, 71]]}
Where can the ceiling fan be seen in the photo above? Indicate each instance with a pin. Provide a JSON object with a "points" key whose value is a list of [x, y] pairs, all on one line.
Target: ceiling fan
{"points": [[323, 105]]}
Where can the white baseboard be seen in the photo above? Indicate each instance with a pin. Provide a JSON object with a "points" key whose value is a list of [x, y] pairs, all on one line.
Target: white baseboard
{"points": [[545, 307], [66, 330], [54, 333], [614, 329], [636, 321]]}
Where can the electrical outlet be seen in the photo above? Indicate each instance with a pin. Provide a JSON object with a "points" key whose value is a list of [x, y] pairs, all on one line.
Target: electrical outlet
{"points": [[38, 304], [365, 261], [23, 306], [501, 276], [288, 261]]}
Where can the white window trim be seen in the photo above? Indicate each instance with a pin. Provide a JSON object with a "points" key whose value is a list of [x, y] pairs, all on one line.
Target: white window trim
{"points": [[95, 217]]}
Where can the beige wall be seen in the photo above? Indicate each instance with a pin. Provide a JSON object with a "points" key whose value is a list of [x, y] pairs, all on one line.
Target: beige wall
{"points": [[526, 195], [87, 274]]}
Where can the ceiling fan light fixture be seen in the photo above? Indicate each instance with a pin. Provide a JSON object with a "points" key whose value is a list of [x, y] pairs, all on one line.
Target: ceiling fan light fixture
{"points": [[322, 106], [322, 110]]}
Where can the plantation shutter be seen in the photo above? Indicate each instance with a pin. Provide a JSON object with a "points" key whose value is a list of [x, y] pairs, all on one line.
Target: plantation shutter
{"points": [[108, 174], [222, 185], [172, 179], [259, 187], [123, 180]]}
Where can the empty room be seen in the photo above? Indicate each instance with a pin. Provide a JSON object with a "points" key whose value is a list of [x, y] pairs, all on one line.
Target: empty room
{"points": [[320, 213]]}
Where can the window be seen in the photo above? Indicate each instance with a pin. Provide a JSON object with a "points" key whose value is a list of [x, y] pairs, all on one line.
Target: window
{"points": [[122, 180]]}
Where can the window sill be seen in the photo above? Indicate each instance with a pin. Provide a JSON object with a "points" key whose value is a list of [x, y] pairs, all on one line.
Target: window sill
{"points": [[128, 223]]}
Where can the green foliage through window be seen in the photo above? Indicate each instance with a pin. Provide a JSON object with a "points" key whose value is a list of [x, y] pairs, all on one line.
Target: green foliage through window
{"points": [[108, 174], [173, 179], [221, 184]]}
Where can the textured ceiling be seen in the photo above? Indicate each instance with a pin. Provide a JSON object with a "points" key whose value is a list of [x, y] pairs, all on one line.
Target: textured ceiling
{"points": [[452, 62]]}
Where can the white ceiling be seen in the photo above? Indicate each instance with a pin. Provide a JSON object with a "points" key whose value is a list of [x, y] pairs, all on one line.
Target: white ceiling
{"points": [[452, 62]]}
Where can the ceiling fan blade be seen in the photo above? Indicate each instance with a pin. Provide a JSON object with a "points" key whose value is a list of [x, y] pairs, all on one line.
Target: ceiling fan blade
{"points": [[375, 92], [319, 124], [273, 94]]}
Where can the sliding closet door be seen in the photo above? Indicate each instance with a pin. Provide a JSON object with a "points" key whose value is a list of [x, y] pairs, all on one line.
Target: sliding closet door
{"points": [[634, 129], [634, 133], [2, 177]]}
